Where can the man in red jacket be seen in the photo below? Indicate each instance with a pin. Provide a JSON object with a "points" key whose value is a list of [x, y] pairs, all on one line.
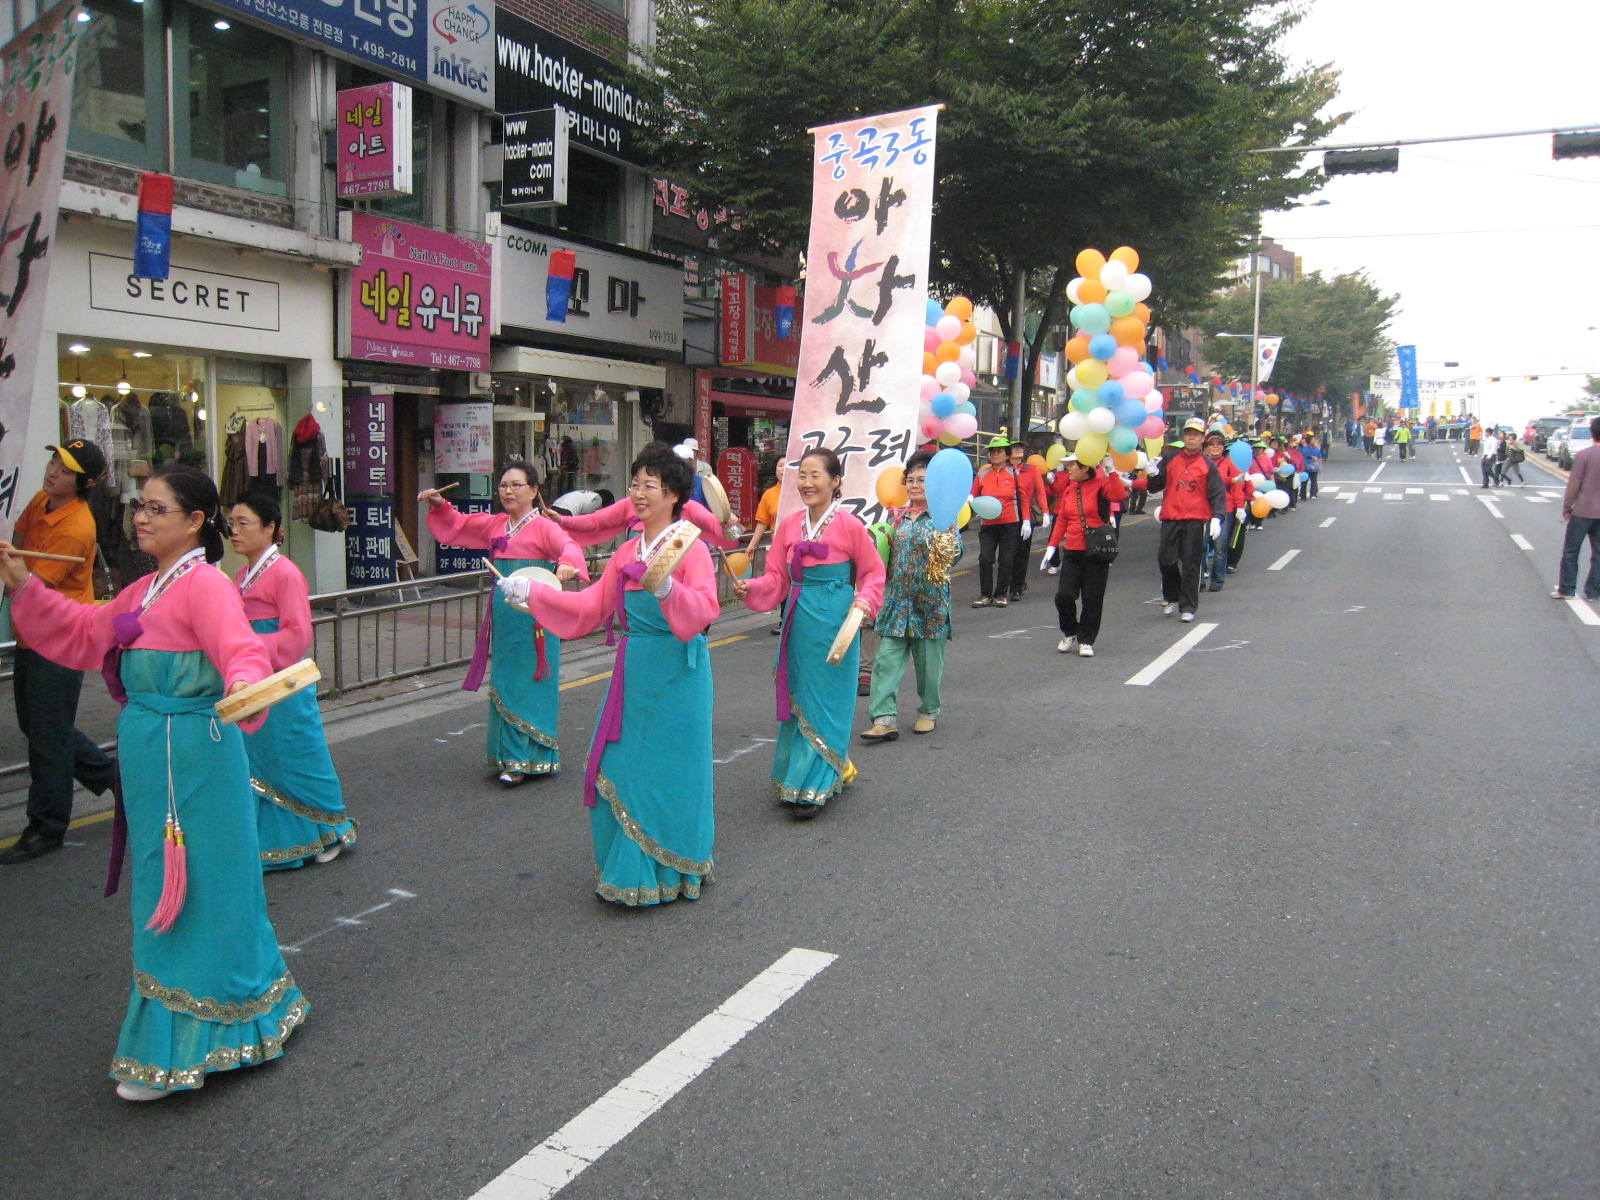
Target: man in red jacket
{"points": [[1036, 508], [1194, 500], [998, 536]]}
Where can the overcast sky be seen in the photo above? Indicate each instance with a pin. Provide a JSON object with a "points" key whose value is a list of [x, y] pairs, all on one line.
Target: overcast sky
{"points": [[1517, 297]]}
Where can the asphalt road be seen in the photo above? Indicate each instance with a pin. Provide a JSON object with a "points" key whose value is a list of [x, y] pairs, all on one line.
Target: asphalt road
{"points": [[1312, 914]]}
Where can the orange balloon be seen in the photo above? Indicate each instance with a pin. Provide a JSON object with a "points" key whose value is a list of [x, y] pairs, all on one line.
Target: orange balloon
{"points": [[1091, 291], [1127, 330], [1125, 462], [947, 352], [1128, 256], [891, 488], [737, 563], [1260, 507], [1077, 349], [1273, 398], [962, 307], [930, 364], [1089, 263], [1036, 461], [1141, 350], [968, 334], [1142, 311]]}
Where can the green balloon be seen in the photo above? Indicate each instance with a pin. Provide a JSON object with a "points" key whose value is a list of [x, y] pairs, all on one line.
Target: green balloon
{"points": [[1092, 318], [1084, 400], [1120, 303], [1124, 440]]}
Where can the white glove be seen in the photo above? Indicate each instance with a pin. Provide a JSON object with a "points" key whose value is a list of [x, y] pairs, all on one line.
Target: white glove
{"points": [[664, 590], [1238, 514], [1027, 530], [1044, 522], [1154, 468], [515, 589], [1048, 557], [1215, 527]]}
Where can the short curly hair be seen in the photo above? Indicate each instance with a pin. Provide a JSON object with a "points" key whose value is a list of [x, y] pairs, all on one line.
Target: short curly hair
{"points": [[675, 474]]}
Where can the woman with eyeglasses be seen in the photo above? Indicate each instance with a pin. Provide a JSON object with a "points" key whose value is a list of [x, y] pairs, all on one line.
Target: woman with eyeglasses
{"points": [[615, 520], [301, 811], [525, 679], [825, 562], [649, 782], [210, 989]]}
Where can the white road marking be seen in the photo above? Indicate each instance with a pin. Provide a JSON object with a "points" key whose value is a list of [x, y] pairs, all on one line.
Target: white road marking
{"points": [[1171, 655], [1411, 491], [1393, 496], [1350, 498], [1328, 522], [1374, 476], [1545, 493], [347, 922], [1461, 491], [1239, 645], [1522, 542], [1284, 561], [1025, 634], [459, 732], [1585, 614], [1376, 490], [573, 1148], [1492, 507], [1536, 500], [1439, 496], [755, 744]]}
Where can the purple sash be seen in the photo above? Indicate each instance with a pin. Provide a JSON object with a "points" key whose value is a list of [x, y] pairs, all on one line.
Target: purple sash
{"points": [[609, 728], [126, 629], [797, 573]]}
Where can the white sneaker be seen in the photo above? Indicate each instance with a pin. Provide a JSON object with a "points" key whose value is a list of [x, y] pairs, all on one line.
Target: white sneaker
{"points": [[1066, 645], [331, 853], [1558, 594], [1185, 617], [1169, 607], [1052, 570], [138, 1092], [1085, 650]]}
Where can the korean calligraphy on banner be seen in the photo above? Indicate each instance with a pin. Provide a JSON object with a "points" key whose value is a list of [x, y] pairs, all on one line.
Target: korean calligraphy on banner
{"points": [[35, 104], [861, 343], [368, 420], [374, 136]]}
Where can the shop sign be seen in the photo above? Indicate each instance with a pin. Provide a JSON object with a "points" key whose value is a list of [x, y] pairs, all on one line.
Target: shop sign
{"points": [[445, 45], [702, 409], [463, 438], [738, 336], [368, 442], [374, 135], [369, 543], [419, 297], [457, 560], [35, 105], [537, 69], [533, 145], [202, 296], [676, 217], [750, 329], [861, 349], [736, 467], [630, 300]]}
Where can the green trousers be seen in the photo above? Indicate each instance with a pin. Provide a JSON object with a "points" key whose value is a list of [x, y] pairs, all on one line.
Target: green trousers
{"points": [[889, 668]]}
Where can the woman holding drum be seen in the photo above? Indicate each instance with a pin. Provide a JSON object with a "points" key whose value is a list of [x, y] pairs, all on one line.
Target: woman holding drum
{"points": [[525, 680], [649, 781], [210, 989], [301, 813], [826, 563], [712, 519]]}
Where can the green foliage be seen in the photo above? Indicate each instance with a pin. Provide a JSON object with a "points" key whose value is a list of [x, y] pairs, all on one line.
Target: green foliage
{"points": [[1591, 389], [1334, 332], [1069, 123]]}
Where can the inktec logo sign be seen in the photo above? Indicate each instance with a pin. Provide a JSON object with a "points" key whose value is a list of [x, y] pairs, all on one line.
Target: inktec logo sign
{"points": [[461, 50]]}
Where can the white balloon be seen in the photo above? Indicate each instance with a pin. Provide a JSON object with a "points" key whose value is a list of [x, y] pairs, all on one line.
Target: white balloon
{"points": [[1138, 286], [1073, 426], [968, 359], [1278, 499], [1102, 420], [1257, 478], [1072, 290], [1157, 513], [1073, 383], [947, 373], [1114, 274], [960, 391]]}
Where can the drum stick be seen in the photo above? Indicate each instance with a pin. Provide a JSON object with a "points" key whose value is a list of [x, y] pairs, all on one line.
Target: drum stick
{"points": [[447, 487], [52, 557], [493, 570]]}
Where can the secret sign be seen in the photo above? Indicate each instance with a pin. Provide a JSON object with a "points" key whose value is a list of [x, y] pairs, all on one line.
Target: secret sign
{"points": [[185, 295]]}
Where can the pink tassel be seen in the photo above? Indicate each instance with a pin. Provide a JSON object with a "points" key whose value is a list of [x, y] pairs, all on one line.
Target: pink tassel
{"points": [[174, 881]]}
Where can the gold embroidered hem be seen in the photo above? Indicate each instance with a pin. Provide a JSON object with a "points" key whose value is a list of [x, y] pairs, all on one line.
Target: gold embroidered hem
{"points": [[791, 795], [320, 815], [273, 857], [687, 866], [517, 723], [526, 767], [829, 756], [223, 1058], [689, 889], [223, 1012]]}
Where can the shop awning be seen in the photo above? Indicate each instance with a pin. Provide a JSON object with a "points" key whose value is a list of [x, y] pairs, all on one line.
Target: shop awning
{"points": [[528, 360], [743, 404]]}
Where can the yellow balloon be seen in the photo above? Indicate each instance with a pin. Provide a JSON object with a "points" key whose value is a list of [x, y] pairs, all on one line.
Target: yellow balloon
{"points": [[1152, 447], [1092, 373], [1091, 448], [1054, 455], [949, 439], [964, 516]]}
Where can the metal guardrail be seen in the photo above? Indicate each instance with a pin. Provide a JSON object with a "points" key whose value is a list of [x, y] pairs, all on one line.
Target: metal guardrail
{"points": [[365, 636]]}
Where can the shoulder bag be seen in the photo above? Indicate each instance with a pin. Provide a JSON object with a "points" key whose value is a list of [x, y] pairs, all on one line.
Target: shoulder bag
{"points": [[1100, 541]]}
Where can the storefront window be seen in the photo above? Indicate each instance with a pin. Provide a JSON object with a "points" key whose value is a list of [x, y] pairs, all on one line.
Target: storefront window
{"points": [[574, 443], [231, 94], [119, 71]]}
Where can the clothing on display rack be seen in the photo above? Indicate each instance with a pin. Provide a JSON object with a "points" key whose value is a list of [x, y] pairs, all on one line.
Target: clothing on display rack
{"points": [[169, 428], [90, 419], [308, 467]]}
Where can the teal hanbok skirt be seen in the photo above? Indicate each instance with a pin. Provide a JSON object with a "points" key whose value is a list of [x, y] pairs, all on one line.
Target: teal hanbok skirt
{"points": [[212, 993], [301, 810], [812, 760], [654, 824], [523, 712]]}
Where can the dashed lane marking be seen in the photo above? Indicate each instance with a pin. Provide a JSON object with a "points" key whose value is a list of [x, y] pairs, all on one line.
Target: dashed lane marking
{"points": [[1464, 474], [1376, 490], [1536, 500], [1585, 614], [1373, 478], [1284, 561], [1410, 491], [1393, 496], [1522, 542], [1440, 496], [578, 1144], [1328, 522], [1350, 497], [1171, 655], [1493, 507]]}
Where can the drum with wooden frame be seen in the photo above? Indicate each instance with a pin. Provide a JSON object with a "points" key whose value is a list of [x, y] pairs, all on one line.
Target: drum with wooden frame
{"points": [[537, 577], [717, 499], [669, 555], [848, 629], [253, 698]]}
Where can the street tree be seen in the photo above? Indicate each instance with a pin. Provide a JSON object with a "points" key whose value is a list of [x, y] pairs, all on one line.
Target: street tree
{"points": [[1068, 123]]}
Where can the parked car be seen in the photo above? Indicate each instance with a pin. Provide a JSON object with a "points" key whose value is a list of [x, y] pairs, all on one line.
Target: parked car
{"points": [[1554, 441], [1543, 428], [1577, 438]]}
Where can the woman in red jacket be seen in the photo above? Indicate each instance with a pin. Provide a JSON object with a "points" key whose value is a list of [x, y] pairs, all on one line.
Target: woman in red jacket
{"points": [[1083, 504]]}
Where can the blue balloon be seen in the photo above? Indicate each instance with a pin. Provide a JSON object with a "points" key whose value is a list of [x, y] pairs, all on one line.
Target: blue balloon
{"points": [[1267, 486], [1301, 477], [1240, 453], [1102, 346], [1131, 412], [1111, 393], [935, 311], [948, 484], [967, 408], [943, 405]]}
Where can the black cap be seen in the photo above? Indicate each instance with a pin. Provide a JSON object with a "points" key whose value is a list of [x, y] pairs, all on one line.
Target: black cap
{"points": [[82, 456]]}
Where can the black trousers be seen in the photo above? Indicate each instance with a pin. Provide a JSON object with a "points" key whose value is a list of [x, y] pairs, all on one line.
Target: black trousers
{"points": [[58, 751], [1080, 594], [1236, 540], [1183, 545], [997, 554], [1019, 563]]}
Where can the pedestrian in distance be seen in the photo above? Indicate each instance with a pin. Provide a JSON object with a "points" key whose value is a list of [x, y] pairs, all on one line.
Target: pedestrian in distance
{"points": [[1369, 437], [998, 536], [913, 622], [1313, 454], [1193, 502], [300, 812], [1515, 457], [1083, 505], [1380, 436], [1580, 508], [57, 521], [1474, 436], [1489, 447], [1036, 510], [1402, 440], [1502, 458]]}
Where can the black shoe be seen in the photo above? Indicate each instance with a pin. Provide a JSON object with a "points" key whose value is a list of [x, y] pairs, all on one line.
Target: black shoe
{"points": [[804, 812], [29, 846]]}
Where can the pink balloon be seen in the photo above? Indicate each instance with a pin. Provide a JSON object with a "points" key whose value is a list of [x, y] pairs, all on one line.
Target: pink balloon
{"points": [[932, 427], [962, 425], [968, 377], [1153, 427], [1137, 384], [930, 387], [930, 341], [1153, 403], [1123, 361], [948, 328]]}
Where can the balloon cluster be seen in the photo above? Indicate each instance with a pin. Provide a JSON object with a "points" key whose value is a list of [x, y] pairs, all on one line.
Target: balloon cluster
{"points": [[949, 372], [1268, 495], [1114, 399]]}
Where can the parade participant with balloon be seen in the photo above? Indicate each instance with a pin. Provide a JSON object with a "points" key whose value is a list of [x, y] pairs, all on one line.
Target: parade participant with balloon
{"points": [[649, 780], [1083, 505], [998, 497], [525, 678], [1214, 569], [301, 812], [210, 988], [1030, 474], [826, 563], [913, 623], [1240, 493], [1194, 500]]}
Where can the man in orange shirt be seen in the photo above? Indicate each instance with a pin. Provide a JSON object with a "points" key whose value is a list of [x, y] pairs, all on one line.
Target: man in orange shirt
{"points": [[766, 520], [57, 521]]}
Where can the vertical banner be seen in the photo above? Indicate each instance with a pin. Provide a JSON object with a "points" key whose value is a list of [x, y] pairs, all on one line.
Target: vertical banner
{"points": [[1409, 397], [534, 157], [861, 339], [463, 438], [369, 543], [1267, 351], [702, 409], [35, 105], [738, 344], [152, 239], [736, 467], [368, 420], [374, 137]]}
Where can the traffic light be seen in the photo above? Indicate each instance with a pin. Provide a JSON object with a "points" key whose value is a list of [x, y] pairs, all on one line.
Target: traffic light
{"points": [[1576, 145], [1381, 160]]}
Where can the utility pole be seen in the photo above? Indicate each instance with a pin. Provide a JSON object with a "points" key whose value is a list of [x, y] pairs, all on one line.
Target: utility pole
{"points": [[1255, 329], [1019, 334]]}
